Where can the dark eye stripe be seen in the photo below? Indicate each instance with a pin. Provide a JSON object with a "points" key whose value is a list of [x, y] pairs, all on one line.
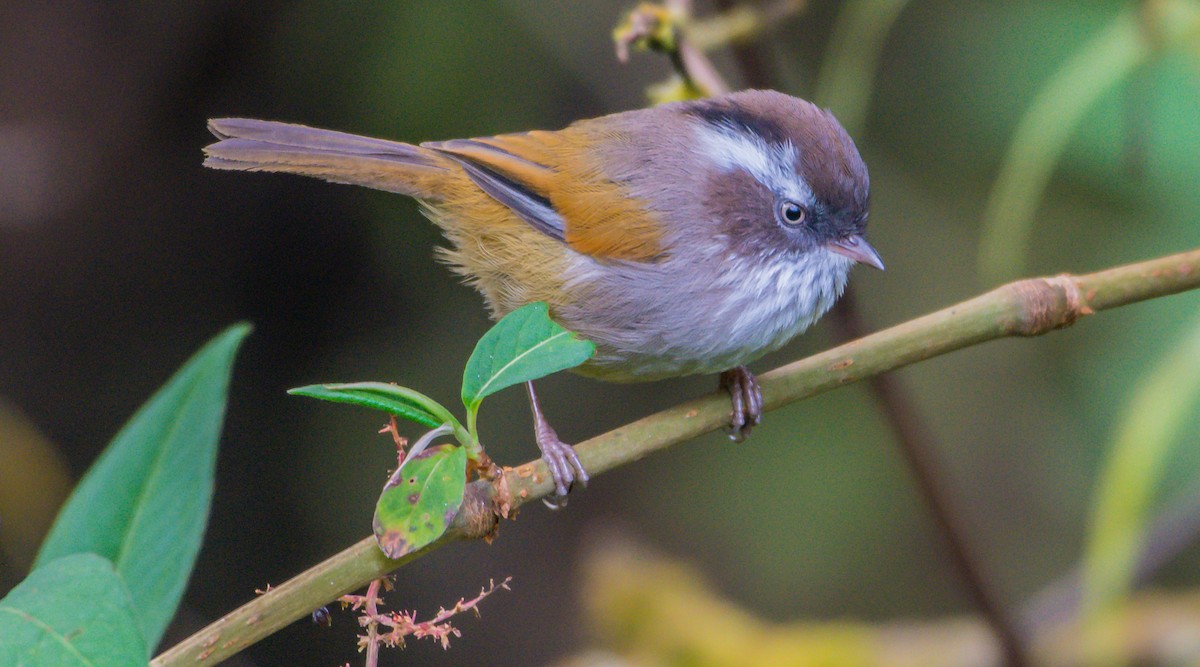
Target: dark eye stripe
{"points": [[721, 114]]}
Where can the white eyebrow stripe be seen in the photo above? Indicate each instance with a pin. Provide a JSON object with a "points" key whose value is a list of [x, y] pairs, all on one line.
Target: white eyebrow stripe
{"points": [[771, 165]]}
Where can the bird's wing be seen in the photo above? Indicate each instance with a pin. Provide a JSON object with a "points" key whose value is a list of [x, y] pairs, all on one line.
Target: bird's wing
{"points": [[551, 181]]}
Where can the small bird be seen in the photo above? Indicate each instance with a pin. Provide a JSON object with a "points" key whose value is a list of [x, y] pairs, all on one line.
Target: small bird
{"points": [[687, 238]]}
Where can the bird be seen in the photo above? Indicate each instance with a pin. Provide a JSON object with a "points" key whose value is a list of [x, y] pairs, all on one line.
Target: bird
{"points": [[687, 238]]}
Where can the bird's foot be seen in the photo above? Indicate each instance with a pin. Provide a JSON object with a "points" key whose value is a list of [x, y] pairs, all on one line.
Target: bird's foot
{"points": [[746, 398], [565, 468]]}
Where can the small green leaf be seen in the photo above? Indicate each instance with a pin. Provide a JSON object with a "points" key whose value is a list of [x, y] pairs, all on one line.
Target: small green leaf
{"points": [[72, 611], [144, 503], [420, 500], [525, 345], [392, 399]]}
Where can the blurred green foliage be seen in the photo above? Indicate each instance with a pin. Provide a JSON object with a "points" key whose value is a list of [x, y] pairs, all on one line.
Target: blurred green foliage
{"points": [[836, 526], [823, 520], [1152, 423]]}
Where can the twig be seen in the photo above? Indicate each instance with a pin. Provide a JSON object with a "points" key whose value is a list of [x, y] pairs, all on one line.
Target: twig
{"points": [[671, 29], [1024, 308], [916, 442], [746, 54], [372, 609], [659, 28], [919, 451], [848, 73], [405, 624]]}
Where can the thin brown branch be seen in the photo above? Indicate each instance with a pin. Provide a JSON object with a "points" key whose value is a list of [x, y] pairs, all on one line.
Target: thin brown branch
{"points": [[1025, 308], [748, 56], [660, 28], [919, 449], [916, 442]]}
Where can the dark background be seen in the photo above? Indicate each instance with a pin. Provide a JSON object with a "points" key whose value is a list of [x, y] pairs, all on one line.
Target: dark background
{"points": [[120, 255]]}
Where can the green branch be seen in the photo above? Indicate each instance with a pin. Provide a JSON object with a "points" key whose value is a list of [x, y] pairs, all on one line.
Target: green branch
{"points": [[1024, 308]]}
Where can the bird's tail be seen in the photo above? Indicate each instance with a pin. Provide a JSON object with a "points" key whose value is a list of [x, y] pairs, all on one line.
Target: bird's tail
{"points": [[259, 145]]}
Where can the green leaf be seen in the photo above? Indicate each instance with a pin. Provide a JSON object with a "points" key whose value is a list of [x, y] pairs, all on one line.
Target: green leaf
{"points": [[392, 399], [75, 610], [420, 500], [525, 345], [1152, 421], [144, 503]]}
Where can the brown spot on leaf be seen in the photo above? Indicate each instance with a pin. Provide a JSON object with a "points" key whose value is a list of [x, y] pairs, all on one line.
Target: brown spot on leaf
{"points": [[392, 544], [844, 363], [413, 498], [691, 413]]}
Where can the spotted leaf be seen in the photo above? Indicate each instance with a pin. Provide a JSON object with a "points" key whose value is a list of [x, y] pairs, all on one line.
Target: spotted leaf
{"points": [[420, 500]]}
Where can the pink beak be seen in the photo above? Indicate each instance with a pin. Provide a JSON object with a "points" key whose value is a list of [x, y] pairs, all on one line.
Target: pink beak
{"points": [[856, 248]]}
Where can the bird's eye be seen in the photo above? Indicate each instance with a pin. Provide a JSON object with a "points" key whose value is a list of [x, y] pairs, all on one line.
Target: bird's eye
{"points": [[791, 213]]}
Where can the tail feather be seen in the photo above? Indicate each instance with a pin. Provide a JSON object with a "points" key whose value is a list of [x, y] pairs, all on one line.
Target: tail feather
{"points": [[259, 145]]}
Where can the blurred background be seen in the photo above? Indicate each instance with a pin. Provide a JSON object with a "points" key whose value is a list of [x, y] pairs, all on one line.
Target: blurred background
{"points": [[120, 255]]}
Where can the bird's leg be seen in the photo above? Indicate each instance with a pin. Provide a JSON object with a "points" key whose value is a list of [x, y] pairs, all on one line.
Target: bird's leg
{"points": [[560, 457], [746, 397]]}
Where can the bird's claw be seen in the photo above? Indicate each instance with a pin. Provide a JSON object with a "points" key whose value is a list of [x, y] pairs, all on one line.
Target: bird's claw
{"points": [[563, 462], [746, 398]]}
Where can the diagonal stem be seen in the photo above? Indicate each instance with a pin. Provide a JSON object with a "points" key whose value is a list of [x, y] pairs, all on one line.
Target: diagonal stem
{"points": [[1024, 308], [915, 440], [918, 447]]}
